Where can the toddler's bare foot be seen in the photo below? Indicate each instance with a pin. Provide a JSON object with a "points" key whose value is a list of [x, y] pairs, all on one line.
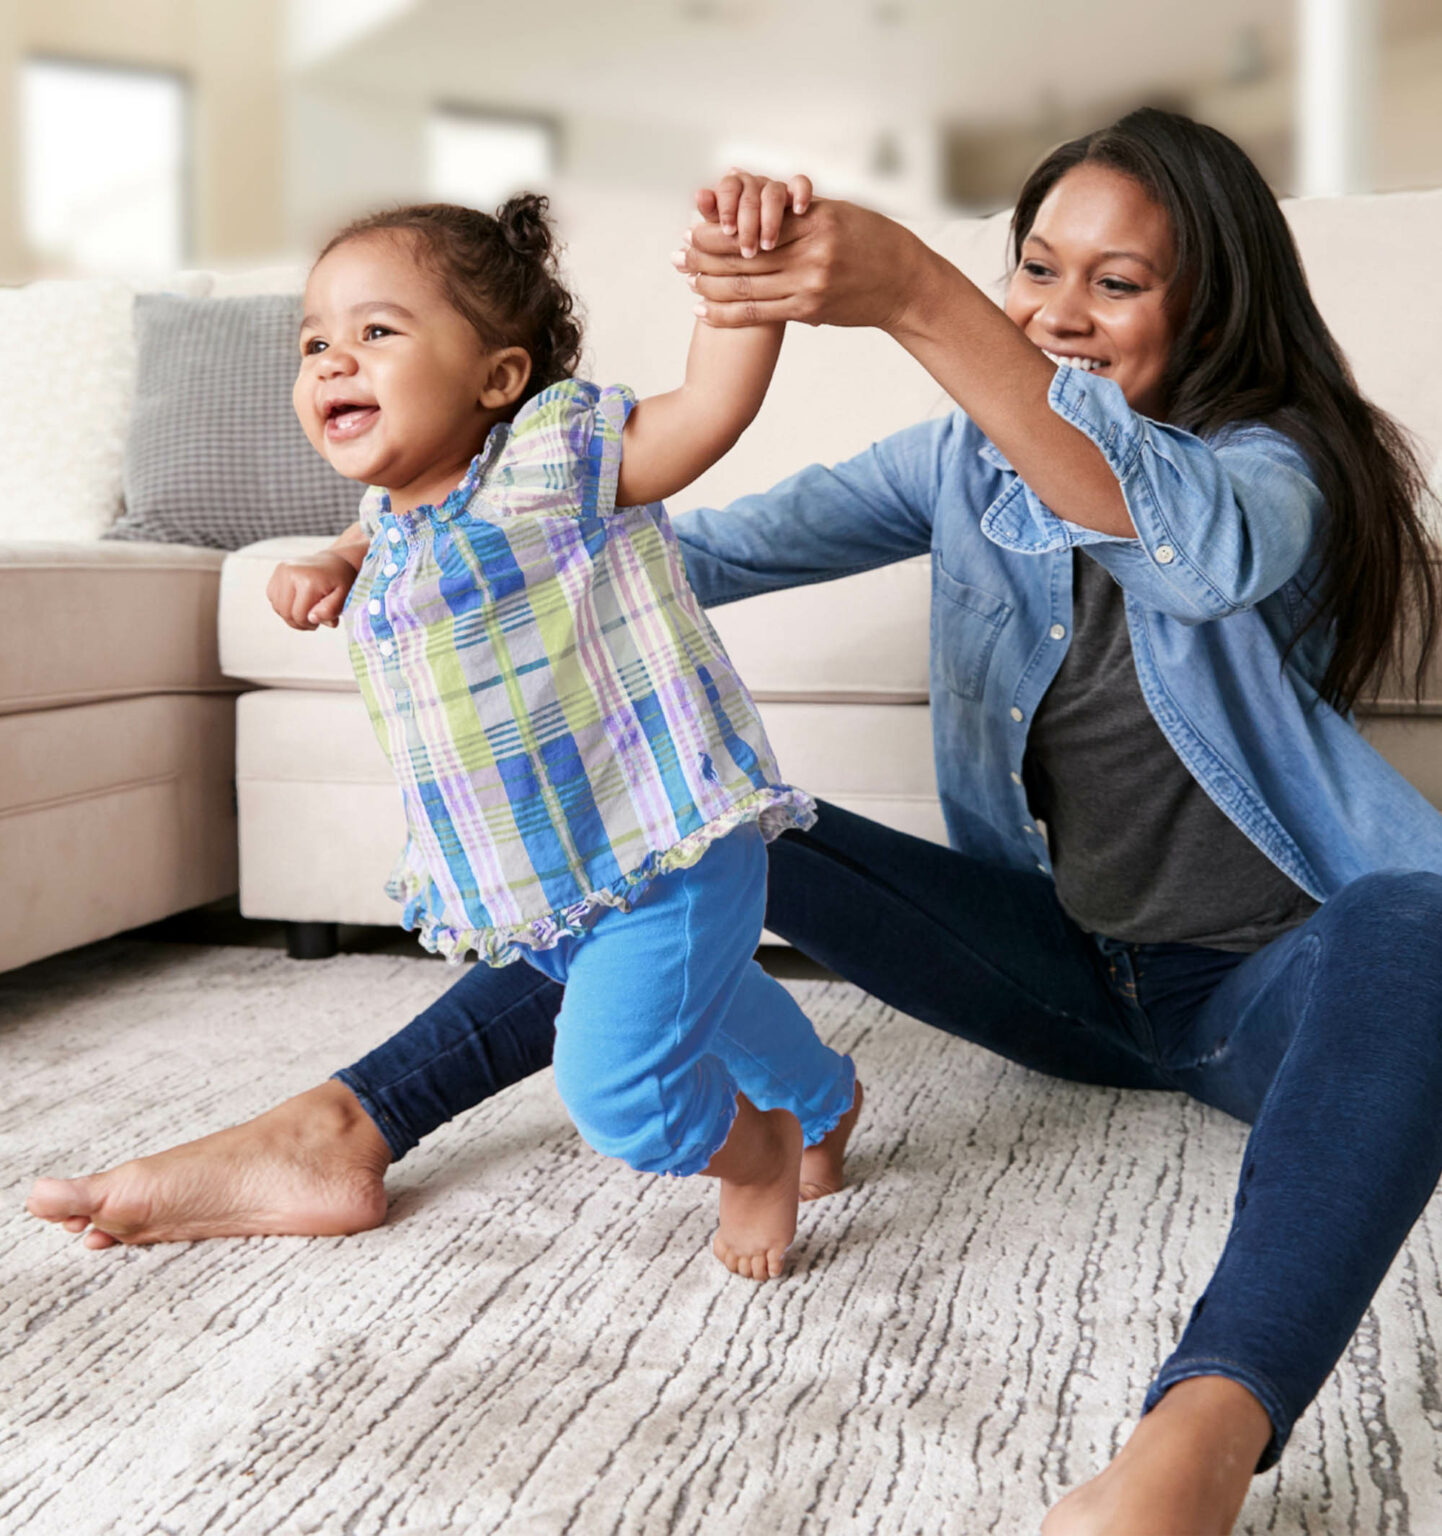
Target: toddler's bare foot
{"points": [[1185, 1471], [759, 1168], [312, 1166], [821, 1166]]}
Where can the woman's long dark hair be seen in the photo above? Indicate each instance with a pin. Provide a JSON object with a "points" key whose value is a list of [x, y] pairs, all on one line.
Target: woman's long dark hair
{"points": [[1271, 359]]}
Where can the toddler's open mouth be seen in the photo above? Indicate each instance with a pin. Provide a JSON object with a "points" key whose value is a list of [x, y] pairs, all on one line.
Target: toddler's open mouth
{"points": [[350, 421]]}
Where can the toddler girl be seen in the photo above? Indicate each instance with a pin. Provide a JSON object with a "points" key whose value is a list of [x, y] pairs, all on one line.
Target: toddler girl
{"points": [[587, 784]]}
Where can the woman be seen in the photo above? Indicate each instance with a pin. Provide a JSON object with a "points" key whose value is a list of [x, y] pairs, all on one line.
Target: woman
{"points": [[1171, 544]]}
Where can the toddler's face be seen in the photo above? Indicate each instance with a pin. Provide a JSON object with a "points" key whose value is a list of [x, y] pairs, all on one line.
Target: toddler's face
{"points": [[390, 375]]}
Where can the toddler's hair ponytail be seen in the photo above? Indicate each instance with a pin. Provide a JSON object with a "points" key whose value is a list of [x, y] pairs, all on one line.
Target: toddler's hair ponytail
{"points": [[525, 226], [499, 271]]}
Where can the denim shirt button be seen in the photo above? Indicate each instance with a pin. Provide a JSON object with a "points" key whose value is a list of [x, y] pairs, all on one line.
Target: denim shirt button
{"points": [[1057, 631], [1165, 554], [1016, 778], [1016, 714]]}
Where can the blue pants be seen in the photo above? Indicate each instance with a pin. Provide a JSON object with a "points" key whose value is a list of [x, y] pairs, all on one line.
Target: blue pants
{"points": [[667, 1016], [1328, 1042]]}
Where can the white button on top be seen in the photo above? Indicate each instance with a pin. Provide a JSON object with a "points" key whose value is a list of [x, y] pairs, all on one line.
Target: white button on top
{"points": [[394, 535], [1057, 631], [374, 606], [1042, 868], [386, 647], [1016, 778], [392, 568], [1165, 554], [1016, 714]]}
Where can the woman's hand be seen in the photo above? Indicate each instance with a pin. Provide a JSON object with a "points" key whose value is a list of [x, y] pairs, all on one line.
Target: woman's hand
{"points": [[832, 264]]}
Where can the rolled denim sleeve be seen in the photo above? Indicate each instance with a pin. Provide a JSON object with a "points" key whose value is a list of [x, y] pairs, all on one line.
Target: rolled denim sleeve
{"points": [[1220, 525], [822, 523]]}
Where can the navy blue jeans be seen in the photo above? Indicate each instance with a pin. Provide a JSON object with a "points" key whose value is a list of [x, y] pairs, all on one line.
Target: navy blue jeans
{"points": [[1328, 1042]]}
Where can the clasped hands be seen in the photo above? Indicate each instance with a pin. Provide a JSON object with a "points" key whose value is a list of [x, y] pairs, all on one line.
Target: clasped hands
{"points": [[769, 250]]}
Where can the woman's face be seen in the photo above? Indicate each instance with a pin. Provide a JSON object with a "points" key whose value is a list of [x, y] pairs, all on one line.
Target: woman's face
{"points": [[1091, 287]]}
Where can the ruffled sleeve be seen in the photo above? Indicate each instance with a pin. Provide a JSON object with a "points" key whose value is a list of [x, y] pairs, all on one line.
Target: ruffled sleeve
{"points": [[375, 501], [563, 457]]}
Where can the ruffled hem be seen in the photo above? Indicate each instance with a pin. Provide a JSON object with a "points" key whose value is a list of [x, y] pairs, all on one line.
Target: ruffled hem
{"points": [[775, 809]]}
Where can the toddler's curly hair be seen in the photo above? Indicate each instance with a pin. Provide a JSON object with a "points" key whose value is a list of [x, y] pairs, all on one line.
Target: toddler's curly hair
{"points": [[498, 270]]}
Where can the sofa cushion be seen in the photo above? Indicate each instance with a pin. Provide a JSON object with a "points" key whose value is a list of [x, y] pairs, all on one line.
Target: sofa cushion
{"points": [[105, 621], [860, 639], [215, 455], [67, 373]]}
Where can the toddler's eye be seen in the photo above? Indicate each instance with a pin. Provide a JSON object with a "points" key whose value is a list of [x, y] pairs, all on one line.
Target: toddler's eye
{"points": [[375, 326], [306, 346]]}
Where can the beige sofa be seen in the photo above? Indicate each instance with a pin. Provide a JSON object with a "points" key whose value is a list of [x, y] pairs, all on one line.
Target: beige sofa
{"points": [[840, 669], [98, 835]]}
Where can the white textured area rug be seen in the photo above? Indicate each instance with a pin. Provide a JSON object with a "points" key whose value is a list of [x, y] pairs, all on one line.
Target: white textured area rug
{"points": [[539, 1341]]}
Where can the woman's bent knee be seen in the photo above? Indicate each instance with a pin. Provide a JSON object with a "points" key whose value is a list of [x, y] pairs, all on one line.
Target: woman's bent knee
{"points": [[1387, 924]]}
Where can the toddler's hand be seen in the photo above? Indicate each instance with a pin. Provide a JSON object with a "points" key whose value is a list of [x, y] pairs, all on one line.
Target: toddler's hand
{"points": [[309, 593], [752, 207]]}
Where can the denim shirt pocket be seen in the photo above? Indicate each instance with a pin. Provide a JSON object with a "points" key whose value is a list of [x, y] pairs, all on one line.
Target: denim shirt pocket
{"points": [[965, 625]]}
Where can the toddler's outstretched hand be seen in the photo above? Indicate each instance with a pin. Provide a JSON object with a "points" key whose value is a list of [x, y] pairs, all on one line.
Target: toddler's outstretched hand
{"points": [[752, 207], [309, 593]]}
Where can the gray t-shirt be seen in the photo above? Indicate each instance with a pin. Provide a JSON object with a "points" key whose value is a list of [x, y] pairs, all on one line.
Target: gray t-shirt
{"points": [[1139, 851]]}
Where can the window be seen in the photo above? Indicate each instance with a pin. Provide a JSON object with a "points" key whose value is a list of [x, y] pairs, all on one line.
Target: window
{"points": [[103, 169], [479, 160]]}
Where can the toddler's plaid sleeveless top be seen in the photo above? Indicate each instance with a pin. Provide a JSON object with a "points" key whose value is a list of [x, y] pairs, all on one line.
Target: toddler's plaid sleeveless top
{"points": [[562, 718]]}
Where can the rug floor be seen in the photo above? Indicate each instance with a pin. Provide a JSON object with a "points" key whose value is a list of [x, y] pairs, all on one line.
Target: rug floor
{"points": [[538, 1340]]}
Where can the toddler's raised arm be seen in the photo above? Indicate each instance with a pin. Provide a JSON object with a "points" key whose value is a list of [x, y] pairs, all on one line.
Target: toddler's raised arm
{"points": [[670, 439]]}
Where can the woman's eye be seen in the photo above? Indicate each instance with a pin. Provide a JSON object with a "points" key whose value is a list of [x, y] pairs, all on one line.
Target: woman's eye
{"points": [[1118, 286], [1033, 268]]}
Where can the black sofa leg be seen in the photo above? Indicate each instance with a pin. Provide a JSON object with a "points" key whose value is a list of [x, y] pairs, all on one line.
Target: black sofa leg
{"points": [[312, 941]]}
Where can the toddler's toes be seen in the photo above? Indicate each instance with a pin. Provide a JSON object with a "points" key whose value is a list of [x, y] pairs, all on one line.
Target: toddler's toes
{"points": [[95, 1238], [74, 1223]]}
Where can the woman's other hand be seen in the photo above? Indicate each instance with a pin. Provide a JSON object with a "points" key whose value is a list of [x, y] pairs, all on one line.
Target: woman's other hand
{"points": [[832, 264]]}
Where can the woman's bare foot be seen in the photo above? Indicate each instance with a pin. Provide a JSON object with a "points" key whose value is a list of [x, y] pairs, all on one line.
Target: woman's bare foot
{"points": [[313, 1165], [760, 1172], [822, 1171], [1184, 1472]]}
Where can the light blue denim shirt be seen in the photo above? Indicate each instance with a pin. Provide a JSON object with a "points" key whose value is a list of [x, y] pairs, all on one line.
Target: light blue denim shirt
{"points": [[1214, 579]]}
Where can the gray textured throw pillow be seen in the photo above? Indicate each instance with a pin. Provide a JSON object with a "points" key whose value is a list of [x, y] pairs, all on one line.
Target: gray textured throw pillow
{"points": [[215, 454]]}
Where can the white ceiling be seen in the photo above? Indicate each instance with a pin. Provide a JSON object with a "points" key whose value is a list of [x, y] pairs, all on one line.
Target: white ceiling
{"points": [[753, 68]]}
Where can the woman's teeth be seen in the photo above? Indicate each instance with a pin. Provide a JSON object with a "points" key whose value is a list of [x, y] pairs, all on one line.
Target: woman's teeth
{"points": [[1090, 364]]}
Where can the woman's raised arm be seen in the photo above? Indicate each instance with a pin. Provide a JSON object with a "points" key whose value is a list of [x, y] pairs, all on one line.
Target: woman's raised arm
{"points": [[840, 264]]}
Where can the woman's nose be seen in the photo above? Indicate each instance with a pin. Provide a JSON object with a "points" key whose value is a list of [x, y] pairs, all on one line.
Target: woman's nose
{"points": [[1066, 310]]}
